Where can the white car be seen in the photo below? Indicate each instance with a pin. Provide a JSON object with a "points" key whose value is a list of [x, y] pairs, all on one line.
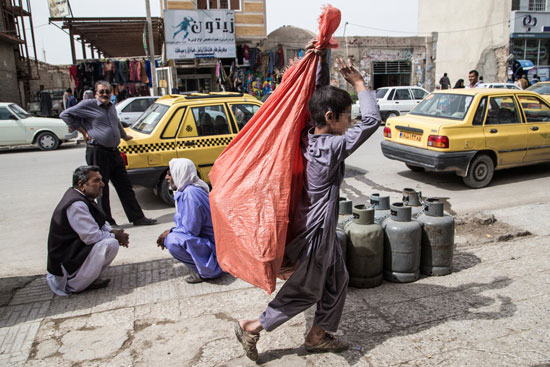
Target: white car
{"points": [[18, 127], [498, 85], [395, 101], [131, 108]]}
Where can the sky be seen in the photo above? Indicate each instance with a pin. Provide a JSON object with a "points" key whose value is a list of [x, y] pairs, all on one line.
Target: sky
{"points": [[363, 17]]}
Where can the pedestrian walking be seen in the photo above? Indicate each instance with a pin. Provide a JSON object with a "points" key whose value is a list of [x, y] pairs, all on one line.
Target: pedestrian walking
{"points": [[445, 82], [459, 84], [473, 79], [320, 276], [98, 122]]}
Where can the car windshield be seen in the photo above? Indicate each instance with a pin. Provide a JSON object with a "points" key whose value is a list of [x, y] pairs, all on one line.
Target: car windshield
{"points": [[150, 118], [21, 113], [450, 106], [381, 92], [540, 88]]}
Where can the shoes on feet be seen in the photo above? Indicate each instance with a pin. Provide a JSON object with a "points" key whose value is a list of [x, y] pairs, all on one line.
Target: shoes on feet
{"points": [[145, 222], [193, 278], [328, 343], [248, 341], [99, 283]]}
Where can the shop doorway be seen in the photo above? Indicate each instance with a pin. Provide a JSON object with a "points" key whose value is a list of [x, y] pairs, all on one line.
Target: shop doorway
{"points": [[391, 73]]}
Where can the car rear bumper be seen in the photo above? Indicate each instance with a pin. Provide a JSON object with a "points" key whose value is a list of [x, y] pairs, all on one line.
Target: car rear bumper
{"points": [[146, 177], [431, 160]]}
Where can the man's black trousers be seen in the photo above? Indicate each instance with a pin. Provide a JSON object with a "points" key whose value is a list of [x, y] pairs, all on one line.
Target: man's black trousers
{"points": [[112, 168]]}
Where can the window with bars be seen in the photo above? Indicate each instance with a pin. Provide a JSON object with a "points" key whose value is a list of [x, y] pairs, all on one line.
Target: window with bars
{"points": [[537, 5], [392, 67], [219, 4]]}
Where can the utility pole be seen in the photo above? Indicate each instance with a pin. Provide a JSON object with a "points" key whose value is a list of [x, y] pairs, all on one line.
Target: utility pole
{"points": [[151, 48]]}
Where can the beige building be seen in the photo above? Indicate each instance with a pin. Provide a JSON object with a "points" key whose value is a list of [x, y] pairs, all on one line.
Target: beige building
{"points": [[199, 74], [471, 34]]}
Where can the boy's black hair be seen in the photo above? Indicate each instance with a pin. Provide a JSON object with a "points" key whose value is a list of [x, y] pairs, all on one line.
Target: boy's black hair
{"points": [[327, 98]]}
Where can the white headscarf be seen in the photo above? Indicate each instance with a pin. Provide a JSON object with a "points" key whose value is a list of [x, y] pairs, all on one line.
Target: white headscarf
{"points": [[184, 173]]}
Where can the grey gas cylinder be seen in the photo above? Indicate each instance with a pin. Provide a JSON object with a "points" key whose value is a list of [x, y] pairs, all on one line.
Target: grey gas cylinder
{"points": [[438, 235], [413, 198], [381, 205], [365, 254], [401, 245], [345, 215], [343, 241]]}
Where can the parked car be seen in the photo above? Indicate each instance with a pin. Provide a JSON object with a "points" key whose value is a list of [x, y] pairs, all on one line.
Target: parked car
{"points": [[542, 88], [395, 101], [195, 126], [57, 103], [499, 86], [18, 127], [131, 108], [472, 132]]}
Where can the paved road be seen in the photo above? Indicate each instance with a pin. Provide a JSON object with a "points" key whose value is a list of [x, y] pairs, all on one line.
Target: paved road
{"points": [[33, 181]]}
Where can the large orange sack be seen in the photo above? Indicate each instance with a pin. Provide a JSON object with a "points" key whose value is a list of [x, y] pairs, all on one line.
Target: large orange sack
{"points": [[256, 178]]}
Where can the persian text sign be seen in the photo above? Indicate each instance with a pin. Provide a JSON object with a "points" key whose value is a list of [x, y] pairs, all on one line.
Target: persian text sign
{"points": [[59, 8], [191, 34]]}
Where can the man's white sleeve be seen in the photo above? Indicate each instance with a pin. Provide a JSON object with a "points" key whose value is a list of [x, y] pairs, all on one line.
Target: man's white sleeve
{"points": [[84, 224]]}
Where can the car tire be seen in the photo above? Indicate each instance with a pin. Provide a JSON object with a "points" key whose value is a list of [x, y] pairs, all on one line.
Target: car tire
{"points": [[480, 172], [47, 141], [164, 192], [414, 168], [391, 114]]}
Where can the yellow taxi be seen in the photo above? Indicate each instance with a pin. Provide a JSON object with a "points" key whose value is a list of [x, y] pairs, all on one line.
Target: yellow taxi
{"points": [[542, 88], [471, 132], [196, 126]]}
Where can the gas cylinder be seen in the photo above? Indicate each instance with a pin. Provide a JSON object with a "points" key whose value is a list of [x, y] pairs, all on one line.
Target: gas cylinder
{"points": [[438, 234], [381, 205], [401, 245], [365, 258], [413, 198], [343, 241], [345, 215]]}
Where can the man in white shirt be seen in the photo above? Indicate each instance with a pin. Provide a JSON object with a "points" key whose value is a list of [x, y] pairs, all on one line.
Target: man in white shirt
{"points": [[81, 243], [473, 79]]}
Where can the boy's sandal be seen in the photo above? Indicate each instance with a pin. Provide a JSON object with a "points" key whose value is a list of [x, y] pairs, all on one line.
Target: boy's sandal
{"points": [[248, 341], [193, 278], [328, 344]]}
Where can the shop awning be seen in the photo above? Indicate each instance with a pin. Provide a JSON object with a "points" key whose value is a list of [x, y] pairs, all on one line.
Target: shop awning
{"points": [[115, 37], [526, 64]]}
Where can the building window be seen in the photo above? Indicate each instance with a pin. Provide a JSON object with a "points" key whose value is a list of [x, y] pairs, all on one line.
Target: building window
{"points": [[537, 5], [219, 4]]}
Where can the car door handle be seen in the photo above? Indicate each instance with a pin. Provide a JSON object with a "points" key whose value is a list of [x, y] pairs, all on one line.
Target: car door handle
{"points": [[534, 128], [396, 102], [189, 143], [493, 131]]}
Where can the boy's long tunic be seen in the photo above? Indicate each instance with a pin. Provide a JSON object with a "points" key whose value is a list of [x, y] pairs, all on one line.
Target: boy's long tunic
{"points": [[321, 277]]}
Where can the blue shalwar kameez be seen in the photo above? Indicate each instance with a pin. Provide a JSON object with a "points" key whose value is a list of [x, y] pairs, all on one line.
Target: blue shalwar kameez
{"points": [[191, 241]]}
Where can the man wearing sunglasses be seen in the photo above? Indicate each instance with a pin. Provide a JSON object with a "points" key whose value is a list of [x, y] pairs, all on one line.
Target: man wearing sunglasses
{"points": [[98, 122]]}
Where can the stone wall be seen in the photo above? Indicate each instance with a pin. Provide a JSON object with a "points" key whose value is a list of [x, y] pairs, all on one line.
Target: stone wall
{"points": [[9, 90], [364, 51]]}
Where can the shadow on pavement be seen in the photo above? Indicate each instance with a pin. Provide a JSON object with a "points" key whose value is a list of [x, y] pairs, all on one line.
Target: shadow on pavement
{"points": [[126, 280], [450, 181], [373, 316]]}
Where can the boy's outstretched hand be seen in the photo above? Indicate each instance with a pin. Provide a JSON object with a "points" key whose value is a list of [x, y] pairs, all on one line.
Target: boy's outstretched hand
{"points": [[351, 74]]}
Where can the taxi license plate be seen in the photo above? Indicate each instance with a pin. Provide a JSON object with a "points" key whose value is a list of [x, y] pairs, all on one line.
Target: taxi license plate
{"points": [[410, 136]]}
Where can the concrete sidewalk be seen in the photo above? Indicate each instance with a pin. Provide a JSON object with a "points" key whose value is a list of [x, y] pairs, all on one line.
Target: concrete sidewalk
{"points": [[493, 310]]}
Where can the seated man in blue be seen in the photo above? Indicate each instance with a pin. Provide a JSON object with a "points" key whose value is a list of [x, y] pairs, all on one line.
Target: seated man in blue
{"points": [[191, 241]]}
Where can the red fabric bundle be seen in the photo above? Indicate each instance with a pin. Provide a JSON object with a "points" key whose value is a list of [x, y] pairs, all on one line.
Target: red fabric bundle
{"points": [[257, 176]]}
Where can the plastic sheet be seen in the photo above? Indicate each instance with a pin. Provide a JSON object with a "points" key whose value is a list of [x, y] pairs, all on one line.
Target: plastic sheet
{"points": [[258, 175]]}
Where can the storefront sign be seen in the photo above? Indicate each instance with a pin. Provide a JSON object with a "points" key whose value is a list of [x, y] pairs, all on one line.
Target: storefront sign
{"points": [[59, 8], [529, 22], [192, 34]]}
